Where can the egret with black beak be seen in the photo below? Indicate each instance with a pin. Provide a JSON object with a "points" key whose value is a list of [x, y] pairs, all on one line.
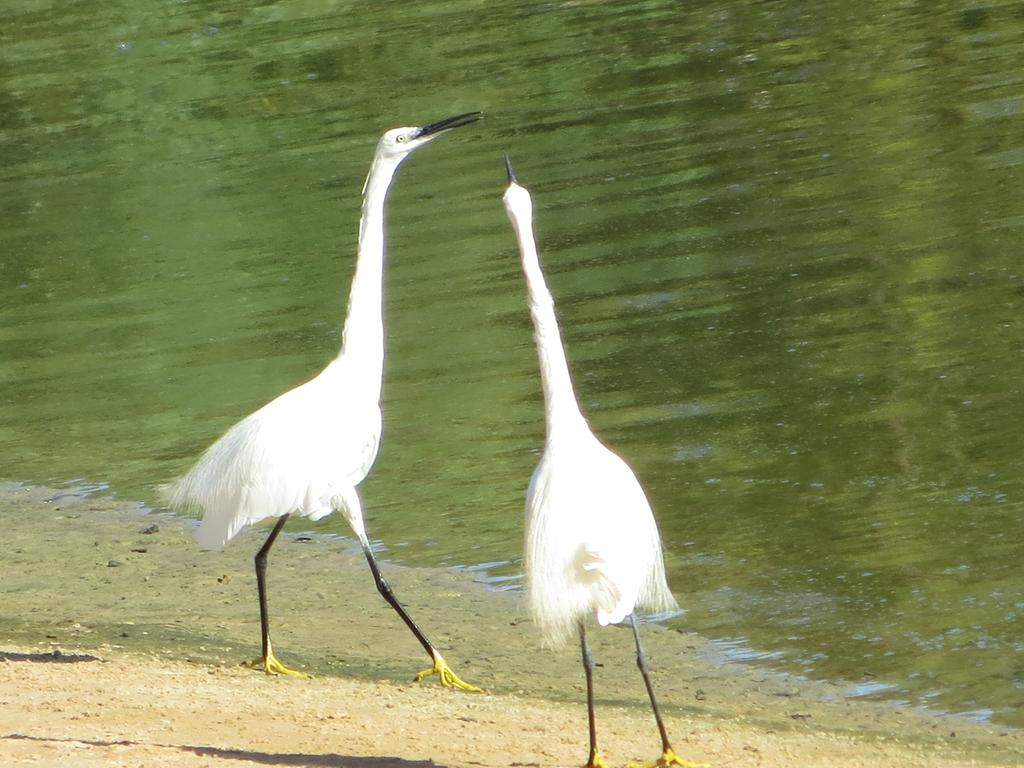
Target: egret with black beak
{"points": [[592, 545], [305, 452]]}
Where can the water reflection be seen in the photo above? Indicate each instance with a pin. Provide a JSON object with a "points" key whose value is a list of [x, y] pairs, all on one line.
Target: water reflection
{"points": [[784, 247]]}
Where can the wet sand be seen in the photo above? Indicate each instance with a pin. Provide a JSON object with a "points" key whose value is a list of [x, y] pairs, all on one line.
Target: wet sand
{"points": [[120, 642]]}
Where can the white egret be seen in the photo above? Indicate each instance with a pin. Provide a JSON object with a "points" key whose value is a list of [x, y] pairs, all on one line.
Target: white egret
{"points": [[305, 452], [592, 545]]}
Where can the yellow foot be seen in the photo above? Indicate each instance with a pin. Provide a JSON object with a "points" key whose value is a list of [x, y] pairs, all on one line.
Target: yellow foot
{"points": [[272, 666], [596, 762], [448, 678], [668, 758]]}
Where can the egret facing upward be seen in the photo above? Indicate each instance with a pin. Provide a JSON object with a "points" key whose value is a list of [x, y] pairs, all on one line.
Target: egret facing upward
{"points": [[305, 452], [592, 545]]}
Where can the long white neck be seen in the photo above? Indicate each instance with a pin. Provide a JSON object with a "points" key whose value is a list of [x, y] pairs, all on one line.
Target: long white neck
{"points": [[560, 405], [362, 339]]}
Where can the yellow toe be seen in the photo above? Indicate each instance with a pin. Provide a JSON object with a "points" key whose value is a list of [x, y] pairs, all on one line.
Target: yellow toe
{"points": [[272, 666], [447, 677]]}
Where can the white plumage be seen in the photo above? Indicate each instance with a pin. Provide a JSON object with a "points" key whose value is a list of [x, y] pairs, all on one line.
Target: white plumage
{"points": [[305, 452], [592, 544], [302, 453]]}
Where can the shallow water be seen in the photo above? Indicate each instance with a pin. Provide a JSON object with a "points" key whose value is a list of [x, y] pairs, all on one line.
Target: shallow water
{"points": [[783, 242]]}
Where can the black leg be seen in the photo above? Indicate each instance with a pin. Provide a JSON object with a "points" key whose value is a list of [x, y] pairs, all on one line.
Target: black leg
{"points": [[440, 667], [387, 594], [641, 662], [261, 581], [588, 669]]}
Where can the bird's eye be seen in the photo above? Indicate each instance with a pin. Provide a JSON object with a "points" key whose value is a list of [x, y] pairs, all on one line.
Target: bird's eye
{"points": [[401, 139]]}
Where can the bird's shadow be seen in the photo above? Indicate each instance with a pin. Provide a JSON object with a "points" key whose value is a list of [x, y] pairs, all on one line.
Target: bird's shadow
{"points": [[314, 761], [53, 657], [263, 758]]}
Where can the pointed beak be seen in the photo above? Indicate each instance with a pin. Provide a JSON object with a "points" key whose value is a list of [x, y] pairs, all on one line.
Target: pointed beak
{"points": [[508, 170], [447, 124]]}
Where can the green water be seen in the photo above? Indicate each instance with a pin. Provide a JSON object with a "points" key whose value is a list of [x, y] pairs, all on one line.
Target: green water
{"points": [[784, 240]]}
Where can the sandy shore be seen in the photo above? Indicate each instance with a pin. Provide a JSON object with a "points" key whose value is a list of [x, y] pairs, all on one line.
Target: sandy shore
{"points": [[119, 643]]}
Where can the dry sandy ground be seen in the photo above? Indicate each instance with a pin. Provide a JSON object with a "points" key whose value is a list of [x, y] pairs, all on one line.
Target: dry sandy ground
{"points": [[119, 644], [137, 711]]}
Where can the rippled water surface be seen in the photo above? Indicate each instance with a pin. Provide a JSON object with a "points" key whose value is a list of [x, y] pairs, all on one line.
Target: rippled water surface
{"points": [[784, 240]]}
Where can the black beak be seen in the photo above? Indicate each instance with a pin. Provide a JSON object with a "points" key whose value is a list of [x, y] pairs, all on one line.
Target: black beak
{"points": [[508, 169], [448, 123]]}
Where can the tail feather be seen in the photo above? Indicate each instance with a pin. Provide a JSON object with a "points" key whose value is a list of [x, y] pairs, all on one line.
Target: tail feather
{"points": [[212, 536], [612, 603]]}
